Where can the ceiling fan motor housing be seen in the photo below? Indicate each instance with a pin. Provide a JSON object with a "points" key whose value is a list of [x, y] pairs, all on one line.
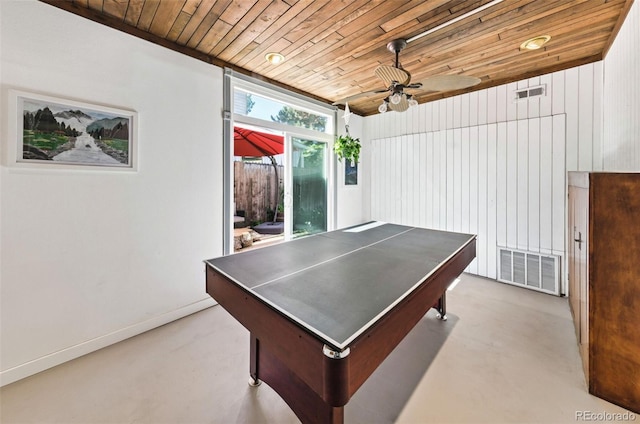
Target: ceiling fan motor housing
{"points": [[396, 46]]}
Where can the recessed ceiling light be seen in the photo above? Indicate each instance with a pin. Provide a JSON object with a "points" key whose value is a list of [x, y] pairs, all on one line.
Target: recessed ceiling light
{"points": [[535, 42], [274, 58]]}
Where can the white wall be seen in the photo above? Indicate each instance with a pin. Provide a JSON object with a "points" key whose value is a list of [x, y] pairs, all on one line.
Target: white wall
{"points": [[621, 135], [349, 197], [486, 164], [477, 180], [92, 257]]}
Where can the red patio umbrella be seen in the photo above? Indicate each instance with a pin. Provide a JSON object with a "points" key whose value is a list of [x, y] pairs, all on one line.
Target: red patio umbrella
{"points": [[255, 143]]}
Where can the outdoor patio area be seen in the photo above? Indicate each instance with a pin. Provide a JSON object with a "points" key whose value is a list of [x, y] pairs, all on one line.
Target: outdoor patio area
{"points": [[246, 238]]}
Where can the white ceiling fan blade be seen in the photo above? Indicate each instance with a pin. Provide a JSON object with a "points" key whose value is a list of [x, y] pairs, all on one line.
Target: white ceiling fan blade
{"points": [[449, 82], [358, 96]]}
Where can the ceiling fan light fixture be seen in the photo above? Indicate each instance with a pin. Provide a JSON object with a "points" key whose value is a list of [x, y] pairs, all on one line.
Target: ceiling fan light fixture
{"points": [[383, 107], [535, 42], [412, 102], [274, 58], [396, 98]]}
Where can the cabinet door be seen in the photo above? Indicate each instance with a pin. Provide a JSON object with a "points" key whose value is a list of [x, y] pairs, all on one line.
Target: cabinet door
{"points": [[614, 288]]}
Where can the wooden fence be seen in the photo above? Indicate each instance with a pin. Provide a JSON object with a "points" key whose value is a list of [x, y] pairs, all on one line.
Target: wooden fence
{"points": [[255, 189]]}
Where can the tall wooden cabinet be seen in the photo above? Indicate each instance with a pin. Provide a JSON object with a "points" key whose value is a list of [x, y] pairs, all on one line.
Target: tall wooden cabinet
{"points": [[604, 281]]}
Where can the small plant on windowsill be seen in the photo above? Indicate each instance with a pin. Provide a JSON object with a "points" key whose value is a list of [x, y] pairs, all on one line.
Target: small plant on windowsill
{"points": [[347, 147]]}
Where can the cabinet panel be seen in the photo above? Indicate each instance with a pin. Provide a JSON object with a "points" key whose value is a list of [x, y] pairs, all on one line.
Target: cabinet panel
{"points": [[614, 288]]}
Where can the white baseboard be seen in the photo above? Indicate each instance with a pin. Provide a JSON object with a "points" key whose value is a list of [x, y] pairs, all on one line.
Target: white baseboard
{"points": [[49, 361]]}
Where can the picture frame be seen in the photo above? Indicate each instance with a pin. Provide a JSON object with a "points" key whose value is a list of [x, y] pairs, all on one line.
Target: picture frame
{"points": [[350, 173], [57, 133]]}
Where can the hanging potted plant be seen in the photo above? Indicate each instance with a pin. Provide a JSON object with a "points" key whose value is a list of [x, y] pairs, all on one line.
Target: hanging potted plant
{"points": [[347, 147]]}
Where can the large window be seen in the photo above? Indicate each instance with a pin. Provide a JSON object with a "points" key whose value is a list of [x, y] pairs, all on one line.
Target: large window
{"points": [[260, 107]]}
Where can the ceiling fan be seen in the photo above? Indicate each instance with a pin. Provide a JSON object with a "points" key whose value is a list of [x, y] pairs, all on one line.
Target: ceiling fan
{"points": [[397, 80]]}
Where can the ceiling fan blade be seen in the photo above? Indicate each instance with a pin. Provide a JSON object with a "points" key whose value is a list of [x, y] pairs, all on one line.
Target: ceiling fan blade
{"points": [[414, 85], [391, 74], [449, 82], [358, 96]]}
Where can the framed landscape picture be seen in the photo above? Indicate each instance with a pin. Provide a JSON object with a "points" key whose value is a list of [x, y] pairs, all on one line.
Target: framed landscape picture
{"points": [[55, 132]]}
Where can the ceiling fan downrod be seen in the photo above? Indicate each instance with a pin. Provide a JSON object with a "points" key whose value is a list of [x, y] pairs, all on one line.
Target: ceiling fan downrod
{"points": [[396, 47]]}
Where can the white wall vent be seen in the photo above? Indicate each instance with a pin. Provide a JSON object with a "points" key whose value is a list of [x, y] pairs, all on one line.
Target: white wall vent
{"points": [[530, 270], [526, 93]]}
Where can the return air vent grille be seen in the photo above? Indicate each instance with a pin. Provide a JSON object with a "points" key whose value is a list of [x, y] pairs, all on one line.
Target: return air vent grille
{"points": [[530, 92], [530, 270]]}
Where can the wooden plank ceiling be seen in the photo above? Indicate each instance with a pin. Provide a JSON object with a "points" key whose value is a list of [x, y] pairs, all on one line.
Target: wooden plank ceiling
{"points": [[332, 47]]}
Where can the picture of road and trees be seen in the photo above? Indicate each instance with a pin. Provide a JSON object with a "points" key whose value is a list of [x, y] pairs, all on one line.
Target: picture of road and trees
{"points": [[68, 134]]}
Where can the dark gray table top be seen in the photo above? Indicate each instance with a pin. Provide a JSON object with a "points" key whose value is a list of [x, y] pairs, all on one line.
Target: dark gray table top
{"points": [[337, 284]]}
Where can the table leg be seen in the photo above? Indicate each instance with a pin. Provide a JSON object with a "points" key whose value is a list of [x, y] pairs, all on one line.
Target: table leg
{"points": [[254, 348], [308, 405], [442, 306]]}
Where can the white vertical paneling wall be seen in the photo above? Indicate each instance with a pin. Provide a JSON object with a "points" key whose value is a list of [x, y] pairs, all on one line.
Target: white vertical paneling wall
{"points": [[621, 98], [466, 180], [349, 197], [486, 164]]}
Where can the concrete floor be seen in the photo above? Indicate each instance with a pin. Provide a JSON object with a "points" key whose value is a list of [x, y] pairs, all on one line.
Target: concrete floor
{"points": [[506, 355]]}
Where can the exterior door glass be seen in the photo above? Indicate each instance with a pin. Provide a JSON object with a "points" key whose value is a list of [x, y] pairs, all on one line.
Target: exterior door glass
{"points": [[308, 186]]}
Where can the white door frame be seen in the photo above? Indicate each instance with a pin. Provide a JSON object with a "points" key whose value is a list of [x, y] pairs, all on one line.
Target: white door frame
{"points": [[234, 80]]}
